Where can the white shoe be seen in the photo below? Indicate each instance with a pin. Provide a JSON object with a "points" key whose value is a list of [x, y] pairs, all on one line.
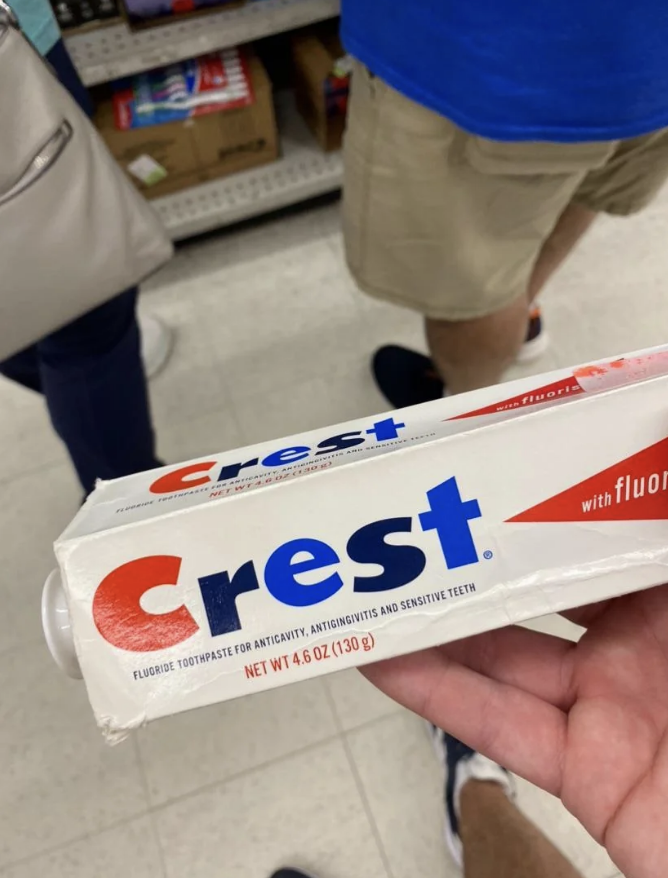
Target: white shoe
{"points": [[156, 344], [461, 764], [536, 341]]}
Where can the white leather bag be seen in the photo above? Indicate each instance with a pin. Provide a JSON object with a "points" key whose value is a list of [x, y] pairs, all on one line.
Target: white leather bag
{"points": [[73, 230]]}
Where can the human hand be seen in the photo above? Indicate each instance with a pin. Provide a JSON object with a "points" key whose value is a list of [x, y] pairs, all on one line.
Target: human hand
{"points": [[585, 721]]}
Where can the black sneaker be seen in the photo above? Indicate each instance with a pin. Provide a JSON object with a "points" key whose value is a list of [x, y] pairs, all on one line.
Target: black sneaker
{"points": [[290, 873], [462, 764], [406, 378]]}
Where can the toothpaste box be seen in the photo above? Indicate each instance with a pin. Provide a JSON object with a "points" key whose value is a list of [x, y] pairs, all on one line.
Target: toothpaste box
{"points": [[251, 569]]}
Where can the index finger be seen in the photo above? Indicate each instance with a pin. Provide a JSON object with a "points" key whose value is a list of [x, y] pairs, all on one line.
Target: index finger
{"points": [[514, 728]]}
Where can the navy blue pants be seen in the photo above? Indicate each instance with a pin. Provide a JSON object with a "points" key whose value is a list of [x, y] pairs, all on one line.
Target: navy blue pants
{"points": [[90, 371]]}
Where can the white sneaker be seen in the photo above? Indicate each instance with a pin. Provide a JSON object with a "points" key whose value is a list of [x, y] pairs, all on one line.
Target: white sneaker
{"points": [[536, 341], [461, 764], [156, 344]]}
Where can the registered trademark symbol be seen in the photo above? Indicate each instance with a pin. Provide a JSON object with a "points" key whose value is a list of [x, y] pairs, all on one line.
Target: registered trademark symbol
{"points": [[487, 555]]}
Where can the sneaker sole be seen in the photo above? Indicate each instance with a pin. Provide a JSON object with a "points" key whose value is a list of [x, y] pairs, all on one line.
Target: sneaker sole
{"points": [[156, 354], [453, 842], [532, 350]]}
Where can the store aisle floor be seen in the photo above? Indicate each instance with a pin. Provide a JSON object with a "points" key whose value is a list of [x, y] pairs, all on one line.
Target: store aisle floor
{"points": [[272, 338]]}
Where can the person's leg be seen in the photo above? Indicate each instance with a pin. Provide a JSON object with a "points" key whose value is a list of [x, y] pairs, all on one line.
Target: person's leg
{"points": [[453, 226], [469, 354], [500, 842], [96, 392], [91, 370], [23, 368], [475, 353], [569, 230], [485, 832], [623, 185]]}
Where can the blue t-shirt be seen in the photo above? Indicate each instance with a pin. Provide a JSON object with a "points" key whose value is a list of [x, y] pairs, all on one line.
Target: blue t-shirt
{"points": [[560, 70], [38, 23]]}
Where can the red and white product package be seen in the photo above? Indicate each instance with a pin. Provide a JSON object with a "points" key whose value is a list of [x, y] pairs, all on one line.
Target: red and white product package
{"points": [[259, 567]]}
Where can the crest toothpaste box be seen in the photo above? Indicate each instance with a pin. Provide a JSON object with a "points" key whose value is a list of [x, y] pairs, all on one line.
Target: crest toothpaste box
{"points": [[251, 569]]}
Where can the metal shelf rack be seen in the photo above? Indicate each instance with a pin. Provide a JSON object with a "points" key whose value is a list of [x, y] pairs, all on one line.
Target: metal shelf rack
{"points": [[108, 53], [302, 172]]}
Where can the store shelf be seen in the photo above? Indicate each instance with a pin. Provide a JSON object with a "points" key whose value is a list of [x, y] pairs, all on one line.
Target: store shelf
{"points": [[304, 171], [111, 52]]}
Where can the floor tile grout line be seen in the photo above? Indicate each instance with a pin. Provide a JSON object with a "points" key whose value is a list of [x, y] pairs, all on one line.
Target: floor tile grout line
{"points": [[151, 815], [162, 806], [392, 710], [207, 787], [154, 808], [358, 783], [367, 807], [332, 705], [77, 839]]}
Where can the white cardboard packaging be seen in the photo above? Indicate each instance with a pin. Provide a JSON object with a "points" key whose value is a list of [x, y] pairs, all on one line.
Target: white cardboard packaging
{"points": [[260, 567]]}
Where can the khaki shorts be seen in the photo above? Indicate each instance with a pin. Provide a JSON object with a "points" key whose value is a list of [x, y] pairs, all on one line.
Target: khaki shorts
{"points": [[450, 224]]}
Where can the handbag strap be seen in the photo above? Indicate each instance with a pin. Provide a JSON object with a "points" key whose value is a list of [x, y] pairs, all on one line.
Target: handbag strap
{"points": [[8, 14], [10, 19]]}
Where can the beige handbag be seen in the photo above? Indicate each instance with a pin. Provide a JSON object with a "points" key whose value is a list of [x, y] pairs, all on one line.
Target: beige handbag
{"points": [[73, 230]]}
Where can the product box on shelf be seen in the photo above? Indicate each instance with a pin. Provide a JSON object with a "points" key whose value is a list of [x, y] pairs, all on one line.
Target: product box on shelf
{"points": [[243, 571], [194, 87], [141, 14], [322, 82], [80, 16], [200, 146]]}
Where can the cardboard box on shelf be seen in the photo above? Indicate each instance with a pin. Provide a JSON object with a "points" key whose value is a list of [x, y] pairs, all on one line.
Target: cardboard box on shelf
{"points": [[162, 159], [247, 570], [322, 82]]}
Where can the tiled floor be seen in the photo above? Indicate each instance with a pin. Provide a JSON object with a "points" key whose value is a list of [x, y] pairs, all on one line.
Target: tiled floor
{"points": [[271, 339]]}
